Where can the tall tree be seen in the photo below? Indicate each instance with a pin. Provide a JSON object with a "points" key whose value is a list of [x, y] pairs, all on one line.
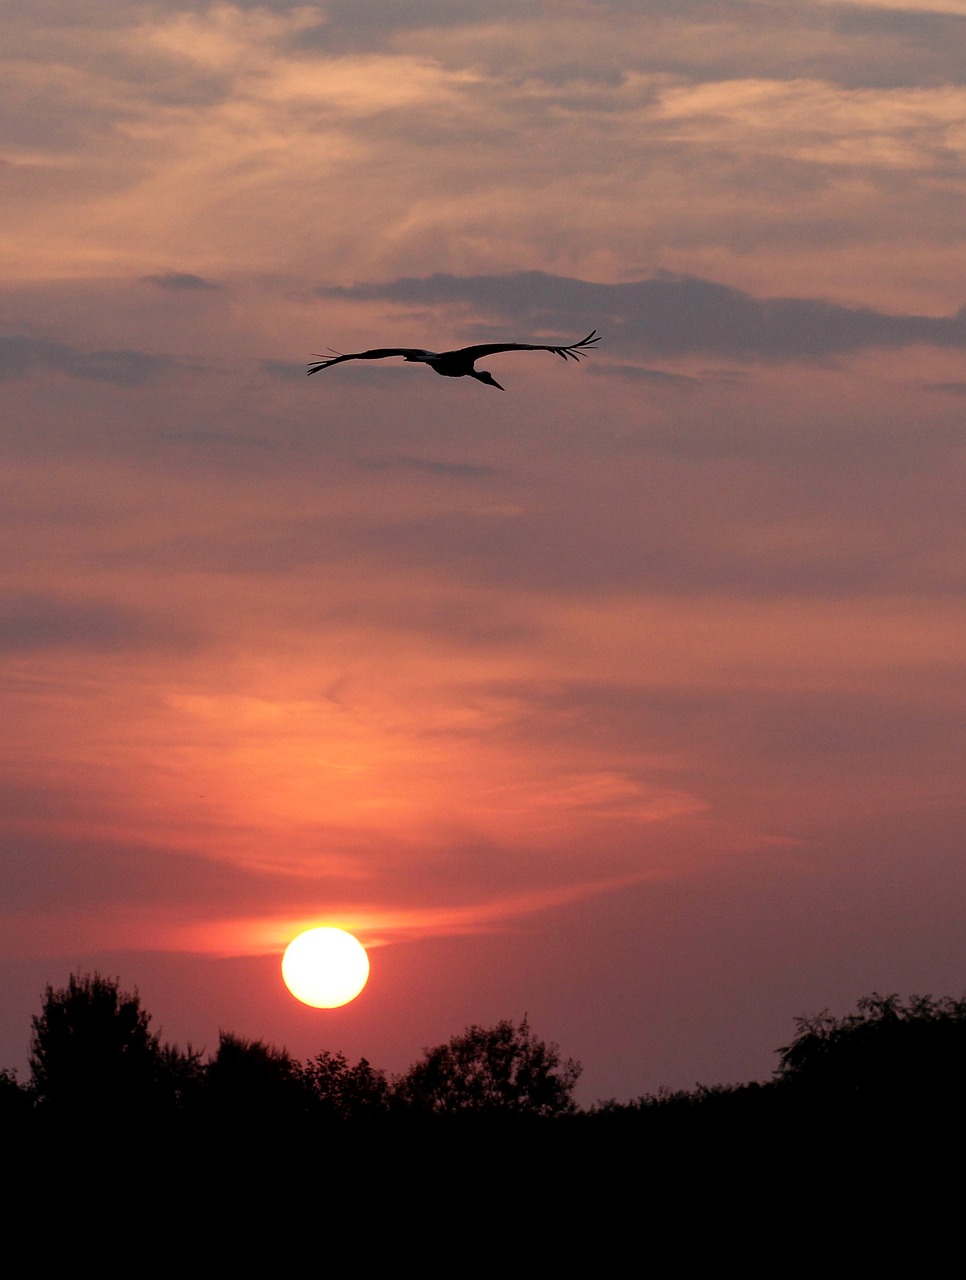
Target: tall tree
{"points": [[92, 1052]]}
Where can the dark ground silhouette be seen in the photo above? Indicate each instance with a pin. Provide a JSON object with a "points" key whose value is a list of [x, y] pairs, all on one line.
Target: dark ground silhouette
{"points": [[864, 1116]]}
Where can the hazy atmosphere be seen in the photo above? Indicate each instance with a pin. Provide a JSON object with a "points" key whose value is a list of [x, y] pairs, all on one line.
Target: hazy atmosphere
{"points": [[630, 698]]}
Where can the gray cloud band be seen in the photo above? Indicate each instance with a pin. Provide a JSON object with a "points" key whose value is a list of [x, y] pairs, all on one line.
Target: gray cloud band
{"points": [[673, 315], [124, 368]]}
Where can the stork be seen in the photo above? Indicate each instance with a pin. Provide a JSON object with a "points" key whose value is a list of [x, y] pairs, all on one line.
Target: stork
{"points": [[459, 364]]}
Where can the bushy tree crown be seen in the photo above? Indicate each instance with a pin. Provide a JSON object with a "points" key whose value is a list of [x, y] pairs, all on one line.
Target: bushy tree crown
{"points": [[503, 1068]]}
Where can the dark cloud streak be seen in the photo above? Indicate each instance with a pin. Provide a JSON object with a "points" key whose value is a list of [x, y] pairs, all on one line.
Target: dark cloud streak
{"points": [[672, 314], [44, 874], [462, 470], [180, 281], [949, 388], [637, 374], [34, 622], [367, 24], [124, 368]]}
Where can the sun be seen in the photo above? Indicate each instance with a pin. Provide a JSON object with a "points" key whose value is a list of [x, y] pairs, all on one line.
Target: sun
{"points": [[325, 968]]}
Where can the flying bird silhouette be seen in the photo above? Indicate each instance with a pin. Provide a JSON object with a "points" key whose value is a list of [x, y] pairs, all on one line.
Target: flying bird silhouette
{"points": [[459, 364]]}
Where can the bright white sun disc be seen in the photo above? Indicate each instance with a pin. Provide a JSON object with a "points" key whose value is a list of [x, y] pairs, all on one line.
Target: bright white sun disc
{"points": [[325, 968]]}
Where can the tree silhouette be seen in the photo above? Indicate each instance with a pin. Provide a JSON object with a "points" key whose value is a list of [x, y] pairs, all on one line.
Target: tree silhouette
{"points": [[500, 1069], [348, 1093], [16, 1100], [183, 1074], [91, 1052], [249, 1081], [888, 1053]]}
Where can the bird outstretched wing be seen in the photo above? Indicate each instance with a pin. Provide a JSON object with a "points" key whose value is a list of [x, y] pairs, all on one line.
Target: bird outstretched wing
{"points": [[571, 352], [378, 353]]}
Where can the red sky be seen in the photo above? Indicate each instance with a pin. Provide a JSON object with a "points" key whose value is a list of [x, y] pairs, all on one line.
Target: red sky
{"points": [[630, 698]]}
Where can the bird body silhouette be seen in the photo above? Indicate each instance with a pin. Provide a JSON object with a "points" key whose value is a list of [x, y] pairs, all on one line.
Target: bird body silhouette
{"points": [[459, 364]]}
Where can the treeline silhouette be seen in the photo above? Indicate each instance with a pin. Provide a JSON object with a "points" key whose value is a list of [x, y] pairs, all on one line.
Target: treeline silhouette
{"points": [[93, 1057], [118, 1146], [94, 1060]]}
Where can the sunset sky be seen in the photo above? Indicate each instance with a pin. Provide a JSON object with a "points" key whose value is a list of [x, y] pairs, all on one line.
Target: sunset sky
{"points": [[630, 698]]}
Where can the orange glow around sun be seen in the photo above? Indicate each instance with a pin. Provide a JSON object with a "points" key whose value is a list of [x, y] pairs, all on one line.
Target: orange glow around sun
{"points": [[325, 968]]}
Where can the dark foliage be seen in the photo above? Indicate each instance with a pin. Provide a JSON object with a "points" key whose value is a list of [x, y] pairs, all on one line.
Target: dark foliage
{"points": [[503, 1069], [344, 1092], [889, 1074], [886, 1054], [16, 1100], [183, 1075], [251, 1082], [92, 1052], [680, 1104], [861, 1118]]}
